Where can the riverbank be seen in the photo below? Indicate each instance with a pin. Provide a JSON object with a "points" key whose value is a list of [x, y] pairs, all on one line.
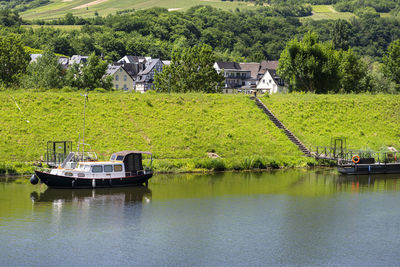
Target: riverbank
{"points": [[193, 132], [185, 132]]}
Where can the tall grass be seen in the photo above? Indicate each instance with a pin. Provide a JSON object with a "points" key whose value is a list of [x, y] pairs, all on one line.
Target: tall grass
{"points": [[367, 121], [180, 130]]}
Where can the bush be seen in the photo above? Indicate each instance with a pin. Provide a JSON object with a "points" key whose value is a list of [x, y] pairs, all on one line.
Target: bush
{"points": [[100, 90], [210, 164]]}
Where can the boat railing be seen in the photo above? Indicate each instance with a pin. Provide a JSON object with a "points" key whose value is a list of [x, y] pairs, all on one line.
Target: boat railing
{"points": [[85, 156], [346, 156], [57, 159]]}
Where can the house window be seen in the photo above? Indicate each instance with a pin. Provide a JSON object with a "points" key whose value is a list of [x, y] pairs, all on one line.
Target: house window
{"points": [[125, 87], [120, 70], [116, 86], [116, 77], [124, 78], [263, 80], [270, 81]]}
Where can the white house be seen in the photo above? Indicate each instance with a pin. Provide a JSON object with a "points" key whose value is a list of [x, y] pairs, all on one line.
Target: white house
{"points": [[235, 76], [78, 59], [271, 83]]}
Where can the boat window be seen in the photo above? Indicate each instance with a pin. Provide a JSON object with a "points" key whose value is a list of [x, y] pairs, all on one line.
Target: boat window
{"points": [[69, 174], [117, 168], [113, 157], [120, 157], [81, 174], [98, 168], [108, 168]]}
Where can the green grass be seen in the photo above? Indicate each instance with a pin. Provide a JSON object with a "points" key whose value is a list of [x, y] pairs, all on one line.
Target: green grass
{"points": [[322, 9], [368, 121], [180, 130], [321, 12], [58, 8], [60, 27]]}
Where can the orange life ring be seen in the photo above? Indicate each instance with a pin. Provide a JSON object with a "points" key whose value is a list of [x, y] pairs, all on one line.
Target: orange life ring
{"points": [[355, 159]]}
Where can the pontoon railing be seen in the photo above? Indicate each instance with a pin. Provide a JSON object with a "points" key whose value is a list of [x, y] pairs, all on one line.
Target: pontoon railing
{"points": [[346, 156]]}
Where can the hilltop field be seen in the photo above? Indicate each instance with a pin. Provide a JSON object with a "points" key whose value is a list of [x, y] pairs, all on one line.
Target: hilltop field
{"points": [[87, 8], [185, 132]]}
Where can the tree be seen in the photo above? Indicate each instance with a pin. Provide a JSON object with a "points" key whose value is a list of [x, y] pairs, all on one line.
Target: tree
{"points": [[69, 19], [391, 62], [44, 73], [353, 72], [9, 18], [340, 34], [89, 76], [13, 59], [191, 70], [309, 65]]}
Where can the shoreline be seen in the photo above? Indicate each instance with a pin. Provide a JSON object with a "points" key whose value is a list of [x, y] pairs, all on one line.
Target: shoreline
{"points": [[205, 171]]}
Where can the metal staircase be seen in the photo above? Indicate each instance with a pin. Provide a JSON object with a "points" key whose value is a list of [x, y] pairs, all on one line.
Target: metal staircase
{"points": [[280, 125]]}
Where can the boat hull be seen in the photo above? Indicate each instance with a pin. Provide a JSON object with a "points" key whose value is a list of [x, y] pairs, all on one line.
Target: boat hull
{"points": [[369, 168], [58, 181]]}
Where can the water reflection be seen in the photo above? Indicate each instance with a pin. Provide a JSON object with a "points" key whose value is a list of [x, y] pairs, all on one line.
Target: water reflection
{"points": [[293, 217], [117, 196]]}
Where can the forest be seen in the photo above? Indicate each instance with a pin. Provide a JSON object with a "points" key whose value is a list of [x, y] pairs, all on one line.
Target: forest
{"points": [[239, 35], [250, 35]]}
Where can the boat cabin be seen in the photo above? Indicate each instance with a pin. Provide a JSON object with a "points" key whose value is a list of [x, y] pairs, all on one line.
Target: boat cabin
{"points": [[93, 170], [132, 161]]}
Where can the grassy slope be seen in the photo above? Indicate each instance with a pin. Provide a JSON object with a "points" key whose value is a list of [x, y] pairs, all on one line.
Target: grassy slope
{"points": [[58, 8], [178, 129], [328, 12], [368, 121]]}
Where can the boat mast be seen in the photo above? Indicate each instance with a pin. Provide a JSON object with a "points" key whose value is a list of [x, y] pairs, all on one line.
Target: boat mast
{"points": [[83, 131]]}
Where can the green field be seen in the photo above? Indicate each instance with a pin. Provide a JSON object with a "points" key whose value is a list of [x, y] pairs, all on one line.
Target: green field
{"points": [[180, 130], [59, 27], [58, 8], [367, 121], [328, 12]]}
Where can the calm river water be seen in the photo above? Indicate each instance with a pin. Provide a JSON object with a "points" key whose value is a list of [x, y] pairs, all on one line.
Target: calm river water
{"points": [[293, 217]]}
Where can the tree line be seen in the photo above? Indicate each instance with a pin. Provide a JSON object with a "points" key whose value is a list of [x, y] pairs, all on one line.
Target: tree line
{"points": [[45, 72], [240, 36], [251, 35], [309, 65]]}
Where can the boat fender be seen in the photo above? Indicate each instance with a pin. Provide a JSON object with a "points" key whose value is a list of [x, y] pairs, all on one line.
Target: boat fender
{"points": [[356, 159], [34, 180], [73, 183]]}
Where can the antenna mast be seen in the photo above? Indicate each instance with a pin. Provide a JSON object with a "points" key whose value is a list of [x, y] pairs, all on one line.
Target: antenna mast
{"points": [[83, 132]]}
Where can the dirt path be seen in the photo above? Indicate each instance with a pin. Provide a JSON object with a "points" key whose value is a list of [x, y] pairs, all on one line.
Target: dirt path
{"points": [[90, 4]]}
